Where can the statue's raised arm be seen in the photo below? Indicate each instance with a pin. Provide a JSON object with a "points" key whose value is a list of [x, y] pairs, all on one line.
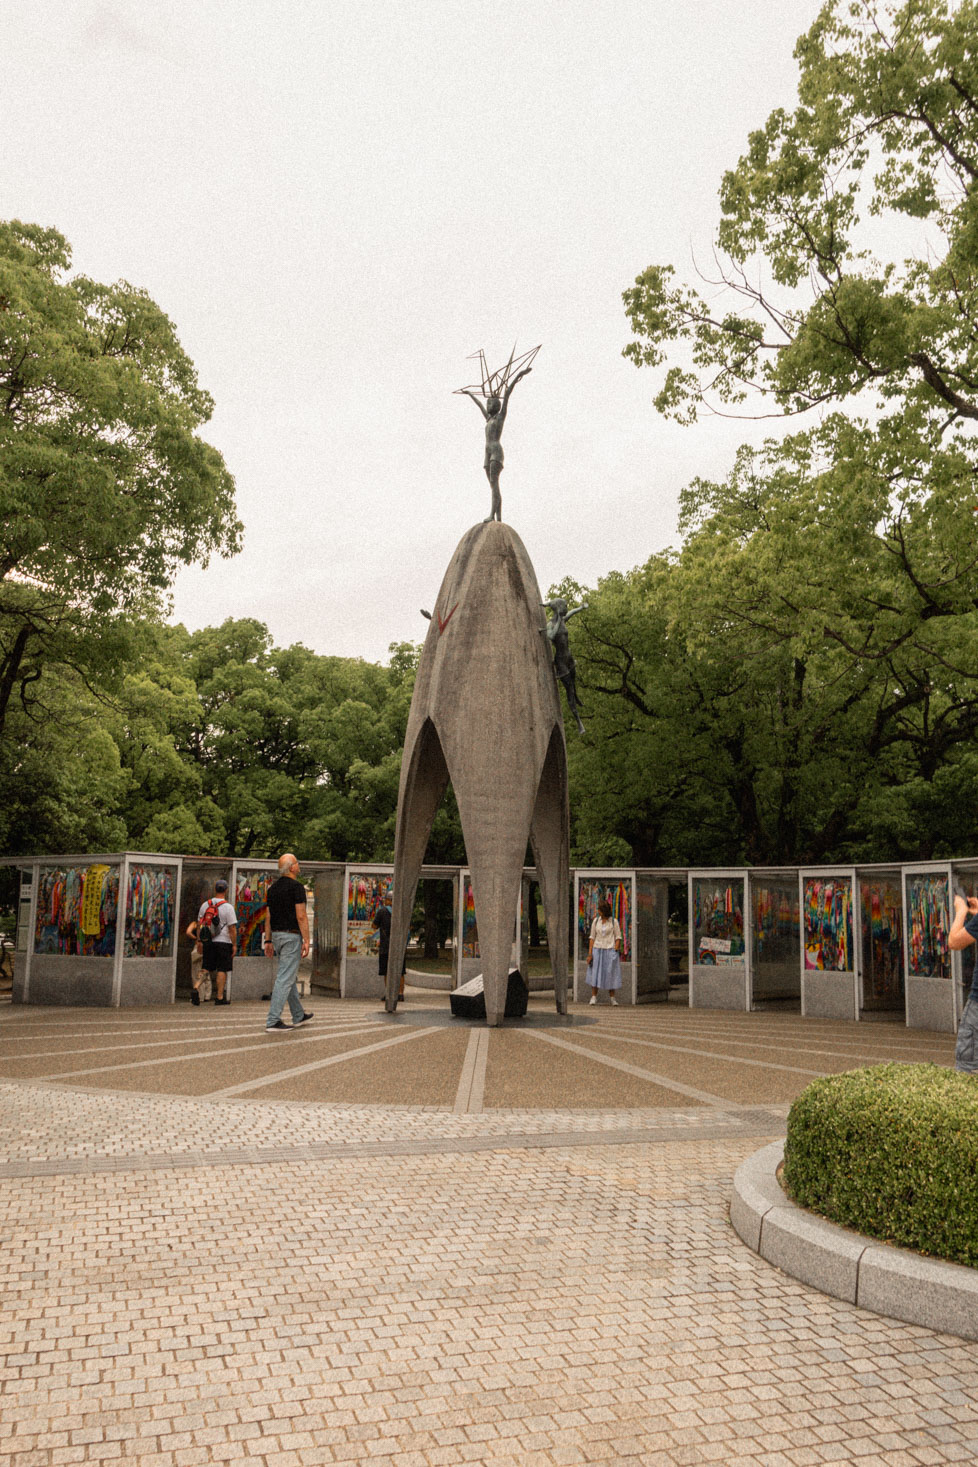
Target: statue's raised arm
{"points": [[467, 392]]}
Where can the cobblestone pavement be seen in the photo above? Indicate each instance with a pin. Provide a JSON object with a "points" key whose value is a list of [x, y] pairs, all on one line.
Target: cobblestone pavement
{"points": [[203, 1261]]}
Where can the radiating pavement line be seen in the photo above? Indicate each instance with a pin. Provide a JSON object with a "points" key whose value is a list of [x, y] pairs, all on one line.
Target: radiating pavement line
{"points": [[179, 1029], [733, 1059], [339, 1031], [247, 1086], [844, 1045], [472, 1081], [613, 1064], [267, 1043]]}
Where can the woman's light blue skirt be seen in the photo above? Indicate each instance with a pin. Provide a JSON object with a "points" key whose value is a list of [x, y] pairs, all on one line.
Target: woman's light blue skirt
{"points": [[605, 971]]}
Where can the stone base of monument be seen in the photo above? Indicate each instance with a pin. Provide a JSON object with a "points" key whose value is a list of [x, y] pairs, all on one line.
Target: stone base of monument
{"points": [[469, 1001]]}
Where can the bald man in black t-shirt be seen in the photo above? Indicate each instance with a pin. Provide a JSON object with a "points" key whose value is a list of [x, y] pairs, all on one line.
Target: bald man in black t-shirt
{"points": [[287, 939]]}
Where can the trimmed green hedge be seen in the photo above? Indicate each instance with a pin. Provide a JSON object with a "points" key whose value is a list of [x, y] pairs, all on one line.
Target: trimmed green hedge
{"points": [[891, 1151]]}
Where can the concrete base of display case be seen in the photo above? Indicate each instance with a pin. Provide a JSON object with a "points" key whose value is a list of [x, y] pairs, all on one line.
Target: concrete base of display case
{"points": [[717, 988], [829, 996], [930, 1004], [58, 979]]}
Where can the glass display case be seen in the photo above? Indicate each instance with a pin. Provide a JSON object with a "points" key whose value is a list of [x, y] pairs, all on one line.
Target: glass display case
{"points": [[77, 910], [775, 938], [150, 910]]}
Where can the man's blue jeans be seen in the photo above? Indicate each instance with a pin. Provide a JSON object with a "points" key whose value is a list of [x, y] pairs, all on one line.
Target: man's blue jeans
{"points": [[287, 947]]}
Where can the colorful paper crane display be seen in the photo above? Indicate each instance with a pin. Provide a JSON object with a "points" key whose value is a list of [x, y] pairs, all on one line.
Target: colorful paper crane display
{"points": [[77, 908], [928, 925], [619, 893], [367, 892], [718, 921], [150, 911], [827, 916], [250, 905], [470, 923], [775, 917]]}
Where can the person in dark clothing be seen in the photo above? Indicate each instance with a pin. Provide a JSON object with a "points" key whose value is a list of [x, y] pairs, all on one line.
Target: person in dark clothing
{"points": [[964, 934], [287, 940], [382, 925]]}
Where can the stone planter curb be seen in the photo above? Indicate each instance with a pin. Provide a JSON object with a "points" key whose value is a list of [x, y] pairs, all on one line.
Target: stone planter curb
{"points": [[892, 1281]]}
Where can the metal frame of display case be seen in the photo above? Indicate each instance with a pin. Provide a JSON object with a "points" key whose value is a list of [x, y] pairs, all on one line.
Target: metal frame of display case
{"points": [[368, 983], [651, 950], [714, 987], [866, 875], [830, 993], [932, 1002], [607, 875], [363, 982], [759, 877]]}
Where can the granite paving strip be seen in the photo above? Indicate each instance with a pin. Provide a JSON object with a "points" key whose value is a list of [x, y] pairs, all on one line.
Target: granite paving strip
{"points": [[472, 1081], [290, 1071], [414, 1076], [263, 1045], [32, 1056], [765, 1024], [633, 1040], [926, 1046], [704, 1096]]}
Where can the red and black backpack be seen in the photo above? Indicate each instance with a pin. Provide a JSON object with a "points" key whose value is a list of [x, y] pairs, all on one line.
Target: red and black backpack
{"points": [[205, 930]]}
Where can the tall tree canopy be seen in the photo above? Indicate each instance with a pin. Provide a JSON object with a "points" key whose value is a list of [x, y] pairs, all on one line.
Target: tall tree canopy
{"points": [[801, 311], [799, 682], [105, 485]]}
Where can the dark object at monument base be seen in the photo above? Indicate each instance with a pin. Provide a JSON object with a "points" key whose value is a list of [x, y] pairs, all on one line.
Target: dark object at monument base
{"points": [[469, 1001]]}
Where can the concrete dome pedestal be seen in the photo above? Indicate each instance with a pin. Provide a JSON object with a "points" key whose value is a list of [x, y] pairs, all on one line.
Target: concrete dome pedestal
{"points": [[485, 716]]}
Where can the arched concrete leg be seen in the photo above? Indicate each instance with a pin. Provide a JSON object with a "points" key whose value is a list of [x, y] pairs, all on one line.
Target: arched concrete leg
{"points": [[496, 881], [423, 783], [549, 838]]}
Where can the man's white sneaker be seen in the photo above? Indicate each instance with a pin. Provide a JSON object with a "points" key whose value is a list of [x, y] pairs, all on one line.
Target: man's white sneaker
{"points": [[614, 1003], [592, 1000]]}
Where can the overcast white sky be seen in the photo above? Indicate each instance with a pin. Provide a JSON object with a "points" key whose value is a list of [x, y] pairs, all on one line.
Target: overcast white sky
{"points": [[338, 202]]}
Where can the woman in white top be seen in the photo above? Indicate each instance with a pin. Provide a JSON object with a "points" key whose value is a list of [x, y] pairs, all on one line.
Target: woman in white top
{"points": [[604, 968]]}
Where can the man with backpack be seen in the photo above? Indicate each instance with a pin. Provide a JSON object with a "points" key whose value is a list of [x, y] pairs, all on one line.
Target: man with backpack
{"points": [[215, 930]]}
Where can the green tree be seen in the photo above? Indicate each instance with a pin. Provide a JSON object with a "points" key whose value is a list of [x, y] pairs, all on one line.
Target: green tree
{"points": [[105, 485], [886, 129], [779, 691], [835, 572], [61, 778]]}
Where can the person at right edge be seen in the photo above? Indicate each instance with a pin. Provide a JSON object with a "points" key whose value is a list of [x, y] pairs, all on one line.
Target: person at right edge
{"points": [[287, 940], [963, 934], [382, 926]]}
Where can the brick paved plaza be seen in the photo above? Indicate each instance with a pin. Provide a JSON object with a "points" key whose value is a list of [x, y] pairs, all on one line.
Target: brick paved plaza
{"points": [[413, 1242]]}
